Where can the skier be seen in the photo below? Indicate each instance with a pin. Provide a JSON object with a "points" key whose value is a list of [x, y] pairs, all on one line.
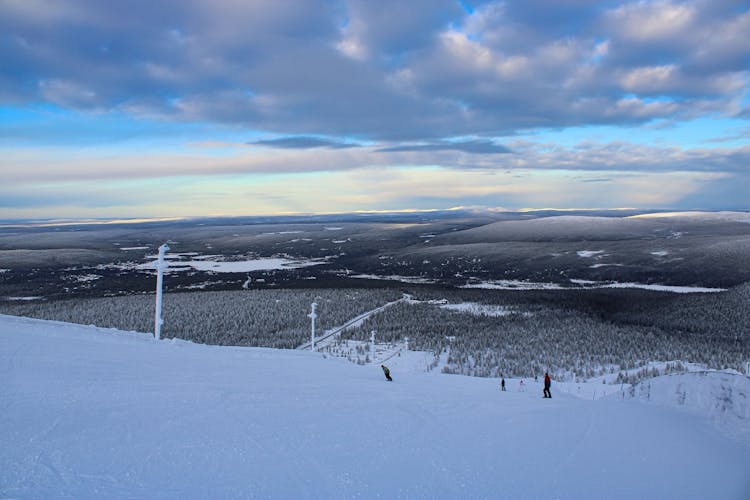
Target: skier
{"points": [[547, 383], [521, 386], [502, 382], [387, 373]]}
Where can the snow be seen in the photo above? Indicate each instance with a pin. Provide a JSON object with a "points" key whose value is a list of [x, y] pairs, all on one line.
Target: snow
{"points": [[100, 413], [35, 297], [393, 277], [645, 286], [479, 309], [723, 397], [134, 248], [513, 285], [238, 266], [589, 253], [664, 288], [88, 277], [697, 215]]}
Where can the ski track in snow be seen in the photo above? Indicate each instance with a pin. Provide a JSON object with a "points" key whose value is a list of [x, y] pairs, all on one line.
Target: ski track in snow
{"points": [[98, 413]]}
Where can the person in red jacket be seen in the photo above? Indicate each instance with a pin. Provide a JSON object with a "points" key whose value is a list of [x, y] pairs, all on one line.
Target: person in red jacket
{"points": [[547, 383]]}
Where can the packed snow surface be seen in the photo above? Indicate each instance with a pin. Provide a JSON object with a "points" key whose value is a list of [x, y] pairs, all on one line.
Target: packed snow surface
{"points": [[98, 413]]}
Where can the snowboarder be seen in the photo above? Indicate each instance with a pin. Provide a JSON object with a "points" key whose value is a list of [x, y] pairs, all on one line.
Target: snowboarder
{"points": [[387, 373], [547, 383], [502, 383]]}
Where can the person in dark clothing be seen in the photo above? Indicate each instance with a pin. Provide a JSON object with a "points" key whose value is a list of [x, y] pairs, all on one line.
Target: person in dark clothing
{"points": [[502, 383], [547, 384], [387, 373]]}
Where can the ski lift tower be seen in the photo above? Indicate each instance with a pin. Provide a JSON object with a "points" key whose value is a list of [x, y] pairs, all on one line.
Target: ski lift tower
{"points": [[161, 265], [372, 346]]}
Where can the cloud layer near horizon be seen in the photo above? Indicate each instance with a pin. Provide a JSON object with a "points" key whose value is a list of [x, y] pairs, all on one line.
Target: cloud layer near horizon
{"points": [[345, 85]]}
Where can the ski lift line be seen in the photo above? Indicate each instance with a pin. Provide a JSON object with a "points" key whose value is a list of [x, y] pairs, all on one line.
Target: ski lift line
{"points": [[389, 357], [337, 330]]}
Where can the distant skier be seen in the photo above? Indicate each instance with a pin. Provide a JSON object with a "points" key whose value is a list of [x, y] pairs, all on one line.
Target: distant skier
{"points": [[387, 373], [521, 386], [502, 383], [547, 384]]}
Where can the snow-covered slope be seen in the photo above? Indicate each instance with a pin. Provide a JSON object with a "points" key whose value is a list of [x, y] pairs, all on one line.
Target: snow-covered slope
{"points": [[93, 413], [723, 397], [565, 227]]}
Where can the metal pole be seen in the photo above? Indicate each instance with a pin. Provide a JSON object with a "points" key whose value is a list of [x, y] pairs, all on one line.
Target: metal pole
{"points": [[312, 316], [406, 347], [161, 264]]}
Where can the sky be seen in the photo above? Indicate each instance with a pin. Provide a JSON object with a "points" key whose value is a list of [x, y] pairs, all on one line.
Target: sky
{"points": [[181, 108]]}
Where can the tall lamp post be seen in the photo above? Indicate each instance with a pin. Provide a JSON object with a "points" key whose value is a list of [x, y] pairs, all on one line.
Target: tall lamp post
{"points": [[161, 265], [312, 317]]}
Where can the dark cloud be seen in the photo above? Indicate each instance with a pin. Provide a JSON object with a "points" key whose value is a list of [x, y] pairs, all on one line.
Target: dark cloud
{"points": [[303, 142], [394, 71], [475, 147]]}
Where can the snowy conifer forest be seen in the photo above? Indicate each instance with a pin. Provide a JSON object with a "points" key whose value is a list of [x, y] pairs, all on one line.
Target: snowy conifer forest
{"points": [[261, 318], [573, 334]]}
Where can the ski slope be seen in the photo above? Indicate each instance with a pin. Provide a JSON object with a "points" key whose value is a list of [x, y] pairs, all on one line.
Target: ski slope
{"points": [[98, 413]]}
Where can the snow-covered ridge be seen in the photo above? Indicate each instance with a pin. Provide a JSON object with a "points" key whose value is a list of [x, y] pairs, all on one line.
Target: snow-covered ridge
{"points": [[713, 216], [99, 413]]}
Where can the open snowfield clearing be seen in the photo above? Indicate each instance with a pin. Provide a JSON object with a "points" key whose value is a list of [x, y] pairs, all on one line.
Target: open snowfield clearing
{"points": [[97, 413]]}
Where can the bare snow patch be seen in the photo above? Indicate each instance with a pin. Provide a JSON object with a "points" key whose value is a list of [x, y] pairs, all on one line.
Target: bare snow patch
{"points": [[479, 309], [665, 288], [393, 277], [589, 253], [88, 277], [244, 266], [218, 264], [645, 286], [513, 285]]}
